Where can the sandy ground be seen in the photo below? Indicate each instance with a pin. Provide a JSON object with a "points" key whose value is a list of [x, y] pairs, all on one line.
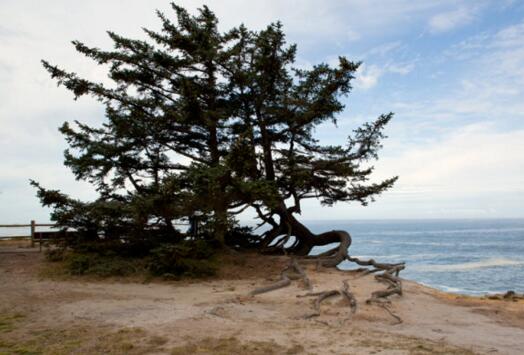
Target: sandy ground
{"points": [[39, 315]]}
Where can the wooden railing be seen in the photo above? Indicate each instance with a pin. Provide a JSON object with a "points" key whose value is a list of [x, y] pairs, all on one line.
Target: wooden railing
{"points": [[32, 225]]}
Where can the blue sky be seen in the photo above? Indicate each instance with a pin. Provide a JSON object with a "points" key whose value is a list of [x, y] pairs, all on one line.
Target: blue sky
{"points": [[452, 71]]}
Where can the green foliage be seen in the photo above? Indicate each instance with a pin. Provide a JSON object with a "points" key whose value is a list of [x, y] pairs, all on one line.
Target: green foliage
{"points": [[103, 266], [242, 237], [55, 254], [206, 122], [191, 258], [79, 264]]}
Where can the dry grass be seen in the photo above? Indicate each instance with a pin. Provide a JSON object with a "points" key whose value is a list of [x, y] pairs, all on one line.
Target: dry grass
{"points": [[377, 342], [227, 346], [8, 321], [15, 243], [18, 337]]}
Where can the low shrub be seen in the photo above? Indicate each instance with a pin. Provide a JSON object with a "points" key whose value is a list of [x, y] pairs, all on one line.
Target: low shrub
{"points": [[103, 266], [188, 258], [78, 264], [194, 258], [55, 254]]}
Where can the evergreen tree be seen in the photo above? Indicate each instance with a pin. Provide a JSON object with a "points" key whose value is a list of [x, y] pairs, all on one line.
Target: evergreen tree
{"points": [[210, 122]]}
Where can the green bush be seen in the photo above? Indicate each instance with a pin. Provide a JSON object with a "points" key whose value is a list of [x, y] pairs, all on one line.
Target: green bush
{"points": [[104, 266], [112, 266], [55, 254], [78, 264], [189, 258], [185, 259]]}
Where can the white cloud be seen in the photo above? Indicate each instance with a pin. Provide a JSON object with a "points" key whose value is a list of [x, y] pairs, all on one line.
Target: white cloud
{"points": [[472, 172], [401, 68], [510, 36], [473, 159], [449, 20], [353, 35], [367, 76], [383, 49]]}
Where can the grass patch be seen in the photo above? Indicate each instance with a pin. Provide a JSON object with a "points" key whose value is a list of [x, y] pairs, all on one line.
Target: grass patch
{"points": [[411, 345], [227, 346], [83, 340], [8, 321], [94, 265]]}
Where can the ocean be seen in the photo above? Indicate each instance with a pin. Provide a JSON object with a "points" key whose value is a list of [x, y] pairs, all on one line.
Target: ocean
{"points": [[461, 256], [472, 257]]}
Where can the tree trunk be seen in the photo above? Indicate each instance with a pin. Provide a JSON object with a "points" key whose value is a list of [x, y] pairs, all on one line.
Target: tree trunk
{"points": [[221, 225], [305, 240]]}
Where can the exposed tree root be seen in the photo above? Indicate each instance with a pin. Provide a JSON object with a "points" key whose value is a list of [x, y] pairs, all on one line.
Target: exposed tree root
{"points": [[389, 277], [394, 284], [387, 273], [349, 296], [292, 272], [398, 319], [321, 296], [283, 282]]}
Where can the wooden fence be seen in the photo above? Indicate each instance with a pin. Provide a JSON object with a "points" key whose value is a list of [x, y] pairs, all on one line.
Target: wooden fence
{"points": [[33, 233], [40, 237]]}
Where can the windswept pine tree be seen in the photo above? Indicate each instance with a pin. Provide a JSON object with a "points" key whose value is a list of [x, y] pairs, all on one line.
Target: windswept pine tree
{"points": [[210, 122], [280, 107]]}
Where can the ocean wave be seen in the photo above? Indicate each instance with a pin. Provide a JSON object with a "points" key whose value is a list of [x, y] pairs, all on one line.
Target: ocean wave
{"points": [[433, 244], [444, 231], [380, 257], [492, 262], [450, 289], [463, 290]]}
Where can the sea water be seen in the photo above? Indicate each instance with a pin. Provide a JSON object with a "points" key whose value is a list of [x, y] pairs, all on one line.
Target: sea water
{"points": [[461, 256]]}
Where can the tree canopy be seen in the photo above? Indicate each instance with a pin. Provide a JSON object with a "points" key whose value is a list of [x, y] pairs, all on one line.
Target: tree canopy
{"points": [[210, 122]]}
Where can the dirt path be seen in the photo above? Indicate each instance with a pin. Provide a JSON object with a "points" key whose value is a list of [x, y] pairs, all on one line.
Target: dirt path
{"points": [[46, 316]]}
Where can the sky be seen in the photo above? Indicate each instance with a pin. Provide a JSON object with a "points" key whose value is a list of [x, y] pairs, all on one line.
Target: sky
{"points": [[451, 71]]}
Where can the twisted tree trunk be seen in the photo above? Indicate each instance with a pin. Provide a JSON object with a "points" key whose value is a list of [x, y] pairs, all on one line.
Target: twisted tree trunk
{"points": [[305, 240]]}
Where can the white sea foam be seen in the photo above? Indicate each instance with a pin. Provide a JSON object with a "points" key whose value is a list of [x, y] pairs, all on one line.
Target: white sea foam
{"points": [[445, 231], [492, 262], [450, 289]]}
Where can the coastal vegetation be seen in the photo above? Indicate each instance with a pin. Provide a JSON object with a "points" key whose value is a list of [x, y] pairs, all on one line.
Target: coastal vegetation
{"points": [[202, 125]]}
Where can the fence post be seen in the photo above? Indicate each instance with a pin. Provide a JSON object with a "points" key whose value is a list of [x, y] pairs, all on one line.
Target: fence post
{"points": [[33, 227]]}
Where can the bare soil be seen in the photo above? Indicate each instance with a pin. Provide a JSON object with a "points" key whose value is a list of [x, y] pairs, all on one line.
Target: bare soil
{"points": [[41, 315]]}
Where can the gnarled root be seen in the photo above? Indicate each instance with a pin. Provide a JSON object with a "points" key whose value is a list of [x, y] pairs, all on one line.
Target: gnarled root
{"points": [[389, 277], [292, 272], [397, 318], [349, 296], [394, 284], [321, 296], [305, 240]]}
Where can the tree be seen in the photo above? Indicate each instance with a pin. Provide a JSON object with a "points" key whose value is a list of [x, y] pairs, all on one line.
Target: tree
{"points": [[211, 122], [280, 108]]}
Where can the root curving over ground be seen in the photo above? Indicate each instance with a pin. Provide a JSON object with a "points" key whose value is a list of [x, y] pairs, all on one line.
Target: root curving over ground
{"points": [[386, 273]]}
